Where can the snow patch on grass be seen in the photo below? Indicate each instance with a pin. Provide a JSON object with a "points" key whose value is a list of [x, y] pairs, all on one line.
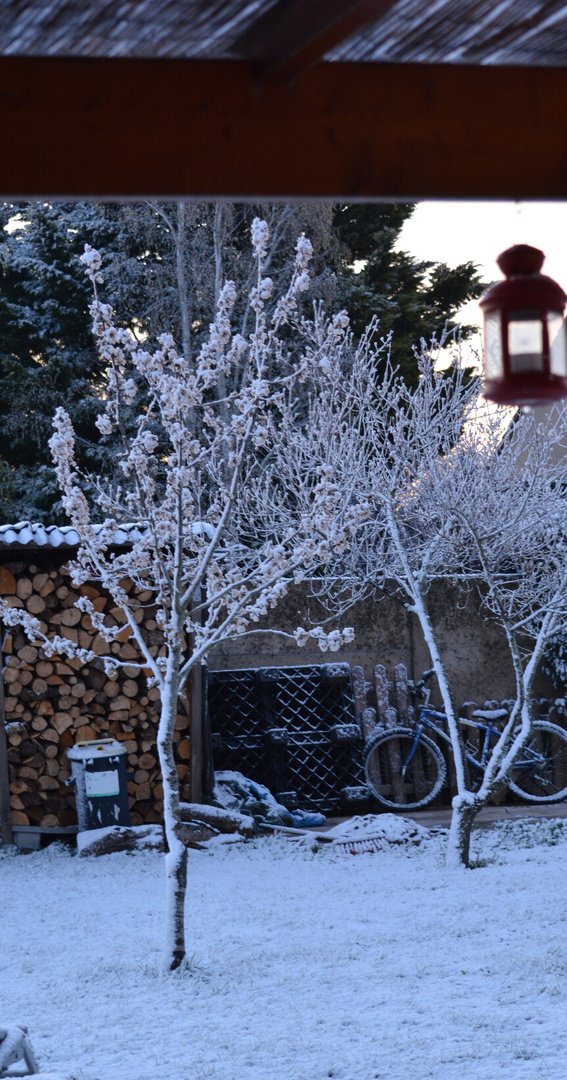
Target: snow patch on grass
{"points": [[303, 965]]}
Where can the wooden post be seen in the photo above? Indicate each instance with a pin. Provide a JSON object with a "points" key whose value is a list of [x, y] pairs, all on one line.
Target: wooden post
{"points": [[5, 813], [196, 703], [411, 643], [208, 760], [359, 690], [382, 692], [364, 712], [401, 689], [196, 700]]}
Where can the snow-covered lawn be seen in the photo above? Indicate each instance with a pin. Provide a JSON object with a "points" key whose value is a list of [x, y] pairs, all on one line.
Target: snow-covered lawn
{"points": [[306, 965]]}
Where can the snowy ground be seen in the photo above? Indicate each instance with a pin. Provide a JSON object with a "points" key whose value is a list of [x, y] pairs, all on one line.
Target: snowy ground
{"points": [[305, 965]]}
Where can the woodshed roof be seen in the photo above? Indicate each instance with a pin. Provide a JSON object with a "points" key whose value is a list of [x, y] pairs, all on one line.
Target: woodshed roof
{"points": [[283, 98], [30, 535]]}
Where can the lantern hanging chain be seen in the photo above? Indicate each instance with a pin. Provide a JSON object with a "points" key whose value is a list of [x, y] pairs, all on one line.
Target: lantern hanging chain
{"points": [[518, 207]]}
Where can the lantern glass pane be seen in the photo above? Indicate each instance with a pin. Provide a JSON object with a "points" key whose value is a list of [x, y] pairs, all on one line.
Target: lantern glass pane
{"points": [[493, 363], [525, 345], [557, 344]]}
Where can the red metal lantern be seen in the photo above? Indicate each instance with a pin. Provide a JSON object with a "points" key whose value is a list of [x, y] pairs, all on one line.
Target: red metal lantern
{"points": [[525, 344]]}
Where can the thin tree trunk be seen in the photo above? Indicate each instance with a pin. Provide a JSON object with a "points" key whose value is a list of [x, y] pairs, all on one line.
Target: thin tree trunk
{"points": [[176, 857], [465, 809], [218, 241], [196, 700], [466, 805], [219, 220], [180, 257], [180, 238], [197, 747]]}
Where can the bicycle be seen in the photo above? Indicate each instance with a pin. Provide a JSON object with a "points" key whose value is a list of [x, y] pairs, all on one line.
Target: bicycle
{"points": [[405, 768]]}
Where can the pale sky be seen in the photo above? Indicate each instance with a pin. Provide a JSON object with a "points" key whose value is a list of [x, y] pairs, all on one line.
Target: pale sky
{"points": [[455, 232]]}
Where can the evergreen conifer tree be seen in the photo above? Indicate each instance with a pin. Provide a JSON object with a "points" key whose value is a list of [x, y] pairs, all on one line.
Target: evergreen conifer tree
{"points": [[412, 299], [164, 266], [47, 355]]}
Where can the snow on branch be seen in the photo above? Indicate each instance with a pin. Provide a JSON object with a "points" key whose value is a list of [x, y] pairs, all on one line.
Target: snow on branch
{"points": [[225, 521]]}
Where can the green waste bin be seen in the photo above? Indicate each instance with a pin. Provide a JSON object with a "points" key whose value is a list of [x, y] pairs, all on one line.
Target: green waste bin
{"points": [[98, 771]]}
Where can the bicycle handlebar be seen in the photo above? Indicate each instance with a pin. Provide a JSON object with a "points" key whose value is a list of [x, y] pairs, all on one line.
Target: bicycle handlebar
{"points": [[417, 694]]}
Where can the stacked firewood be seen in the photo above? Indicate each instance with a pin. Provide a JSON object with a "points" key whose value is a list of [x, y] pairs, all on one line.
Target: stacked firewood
{"points": [[51, 703]]}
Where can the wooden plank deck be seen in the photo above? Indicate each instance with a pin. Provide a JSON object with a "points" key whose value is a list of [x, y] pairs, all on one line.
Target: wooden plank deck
{"points": [[441, 816]]}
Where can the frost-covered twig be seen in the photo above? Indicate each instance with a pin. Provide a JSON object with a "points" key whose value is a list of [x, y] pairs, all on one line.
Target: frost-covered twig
{"points": [[457, 494]]}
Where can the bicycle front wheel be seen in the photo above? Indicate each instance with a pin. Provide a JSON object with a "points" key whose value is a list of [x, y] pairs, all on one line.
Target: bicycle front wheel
{"points": [[398, 778], [540, 772]]}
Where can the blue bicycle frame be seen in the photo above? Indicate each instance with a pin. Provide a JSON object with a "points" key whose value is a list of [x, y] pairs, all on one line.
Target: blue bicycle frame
{"points": [[425, 720]]}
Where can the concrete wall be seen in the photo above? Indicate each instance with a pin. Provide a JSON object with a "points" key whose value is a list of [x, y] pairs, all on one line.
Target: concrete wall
{"points": [[474, 650]]}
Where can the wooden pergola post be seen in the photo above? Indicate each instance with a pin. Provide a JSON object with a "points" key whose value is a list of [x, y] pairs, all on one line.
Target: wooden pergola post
{"points": [[5, 812]]}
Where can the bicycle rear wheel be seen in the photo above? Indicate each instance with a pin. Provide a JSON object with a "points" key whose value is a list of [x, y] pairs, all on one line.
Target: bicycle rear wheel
{"points": [[540, 773], [397, 783]]}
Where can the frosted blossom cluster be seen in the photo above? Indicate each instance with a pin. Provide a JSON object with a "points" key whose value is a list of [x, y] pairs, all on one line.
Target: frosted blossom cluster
{"points": [[332, 640], [35, 631], [217, 547], [304, 252], [92, 262], [260, 238]]}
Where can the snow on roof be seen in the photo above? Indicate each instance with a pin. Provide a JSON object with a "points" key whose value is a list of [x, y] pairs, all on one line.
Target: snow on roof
{"points": [[27, 534]]}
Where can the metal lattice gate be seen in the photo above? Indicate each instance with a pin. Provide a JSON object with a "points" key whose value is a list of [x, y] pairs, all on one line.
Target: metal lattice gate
{"points": [[292, 729]]}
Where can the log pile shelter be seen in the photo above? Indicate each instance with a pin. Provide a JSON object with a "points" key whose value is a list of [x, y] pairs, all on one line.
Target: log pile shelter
{"points": [[51, 703]]}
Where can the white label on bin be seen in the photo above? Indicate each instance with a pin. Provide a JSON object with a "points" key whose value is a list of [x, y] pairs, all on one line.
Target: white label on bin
{"points": [[102, 783]]}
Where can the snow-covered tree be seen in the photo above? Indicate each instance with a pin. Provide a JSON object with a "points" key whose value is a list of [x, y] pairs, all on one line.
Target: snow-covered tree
{"points": [[454, 495], [508, 513], [555, 665], [217, 540]]}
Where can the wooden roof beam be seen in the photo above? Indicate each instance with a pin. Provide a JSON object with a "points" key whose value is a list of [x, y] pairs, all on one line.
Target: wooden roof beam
{"points": [[295, 34], [203, 129]]}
